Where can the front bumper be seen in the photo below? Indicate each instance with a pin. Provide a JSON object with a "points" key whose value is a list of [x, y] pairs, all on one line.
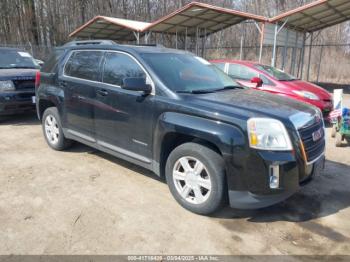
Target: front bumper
{"points": [[16, 102], [254, 190]]}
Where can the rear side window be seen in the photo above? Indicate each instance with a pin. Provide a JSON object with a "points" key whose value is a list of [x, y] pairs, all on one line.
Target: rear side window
{"points": [[241, 72], [84, 65], [119, 66]]}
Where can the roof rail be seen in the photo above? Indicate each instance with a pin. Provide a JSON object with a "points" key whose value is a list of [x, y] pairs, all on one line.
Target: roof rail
{"points": [[90, 42], [156, 45]]}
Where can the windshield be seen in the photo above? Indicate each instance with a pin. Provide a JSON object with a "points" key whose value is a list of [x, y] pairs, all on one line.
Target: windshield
{"points": [[188, 73], [16, 59], [276, 73]]}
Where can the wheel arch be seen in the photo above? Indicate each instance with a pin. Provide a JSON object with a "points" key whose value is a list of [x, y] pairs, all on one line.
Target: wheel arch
{"points": [[174, 129], [45, 102]]}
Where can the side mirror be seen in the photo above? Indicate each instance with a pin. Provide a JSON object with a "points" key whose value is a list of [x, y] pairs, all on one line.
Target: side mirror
{"points": [[257, 80], [137, 84]]}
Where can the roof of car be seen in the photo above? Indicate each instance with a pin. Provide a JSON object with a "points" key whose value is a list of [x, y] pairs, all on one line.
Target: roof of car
{"points": [[127, 48], [10, 49]]}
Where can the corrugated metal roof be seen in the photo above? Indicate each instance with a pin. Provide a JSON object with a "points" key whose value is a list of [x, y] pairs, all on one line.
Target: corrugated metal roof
{"points": [[211, 19], [103, 27], [316, 16], [208, 17]]}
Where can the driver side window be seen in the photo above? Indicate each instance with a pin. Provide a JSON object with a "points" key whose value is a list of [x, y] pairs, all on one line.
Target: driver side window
{"points": [[242, 72], [119, 66]]}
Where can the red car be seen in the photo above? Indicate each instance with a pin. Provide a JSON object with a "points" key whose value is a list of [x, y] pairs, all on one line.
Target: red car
{"points": [[273, 80]]}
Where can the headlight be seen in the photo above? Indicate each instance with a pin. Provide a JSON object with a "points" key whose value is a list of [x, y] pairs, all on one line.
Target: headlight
{"points": [[307, 95], [268, 134], [7, 86]]}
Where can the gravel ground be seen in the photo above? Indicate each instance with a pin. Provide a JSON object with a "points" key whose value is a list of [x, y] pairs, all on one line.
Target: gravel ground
{"points": [[85, 202]]}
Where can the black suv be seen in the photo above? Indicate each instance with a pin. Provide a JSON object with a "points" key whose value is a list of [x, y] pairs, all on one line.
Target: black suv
{"points": [[17, 77], [181, 117]]}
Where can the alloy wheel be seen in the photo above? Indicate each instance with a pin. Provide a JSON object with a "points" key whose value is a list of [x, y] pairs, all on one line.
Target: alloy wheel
{"points": [[192, 180], [51, 129]]}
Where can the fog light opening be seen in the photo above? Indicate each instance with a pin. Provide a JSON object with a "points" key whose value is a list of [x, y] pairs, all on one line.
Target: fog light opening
{"points": [[274, 174]]}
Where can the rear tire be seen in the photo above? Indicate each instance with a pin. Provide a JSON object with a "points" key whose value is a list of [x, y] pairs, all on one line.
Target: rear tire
{"points": [[338, 140], [195, 175], [52, 128]]}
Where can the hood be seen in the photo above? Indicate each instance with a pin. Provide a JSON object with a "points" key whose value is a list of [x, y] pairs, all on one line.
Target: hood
{"points": [[252, 103], [17, 73], [307, 86]]}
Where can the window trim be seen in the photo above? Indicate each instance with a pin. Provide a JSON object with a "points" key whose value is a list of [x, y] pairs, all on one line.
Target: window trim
{"points": [[137, 62], [102, 67], [65, 64]]}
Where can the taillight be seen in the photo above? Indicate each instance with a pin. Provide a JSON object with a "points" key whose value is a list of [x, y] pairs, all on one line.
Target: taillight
{"points": [[37, 79]]}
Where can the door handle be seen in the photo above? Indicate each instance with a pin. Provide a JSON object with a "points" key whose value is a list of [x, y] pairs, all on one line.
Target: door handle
{"points": [[63, 84], [102, 92]]}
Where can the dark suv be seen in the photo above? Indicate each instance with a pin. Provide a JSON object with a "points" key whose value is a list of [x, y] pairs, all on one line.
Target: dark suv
{"points": [[17, 77], [179, 116]]}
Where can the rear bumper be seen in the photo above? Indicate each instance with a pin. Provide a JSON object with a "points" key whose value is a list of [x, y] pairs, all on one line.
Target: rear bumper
{"points": [[16, 102]]}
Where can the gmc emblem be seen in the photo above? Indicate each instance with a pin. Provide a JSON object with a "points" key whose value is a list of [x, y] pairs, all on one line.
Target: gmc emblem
{"points": [[317, 135]]}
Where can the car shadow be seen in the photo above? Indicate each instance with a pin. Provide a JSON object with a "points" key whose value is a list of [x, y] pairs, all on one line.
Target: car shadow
{"points": [[325, 195], [25, 119], [80, 148]]}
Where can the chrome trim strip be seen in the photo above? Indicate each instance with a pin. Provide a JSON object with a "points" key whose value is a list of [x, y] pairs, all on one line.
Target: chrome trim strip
{"points": [[139, 142], [124, 152], [78, 134]]}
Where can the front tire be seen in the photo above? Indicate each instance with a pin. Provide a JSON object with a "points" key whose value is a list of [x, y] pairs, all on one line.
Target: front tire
{"points": [[195, 175], [52, 128]]}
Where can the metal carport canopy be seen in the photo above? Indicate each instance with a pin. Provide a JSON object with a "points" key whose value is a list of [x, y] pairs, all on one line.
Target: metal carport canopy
{"points": [[315, 16], [195, 15], [103, 27]]}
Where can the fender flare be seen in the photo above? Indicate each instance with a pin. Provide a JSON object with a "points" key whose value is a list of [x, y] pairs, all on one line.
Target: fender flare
{"points": [[224, 136]]}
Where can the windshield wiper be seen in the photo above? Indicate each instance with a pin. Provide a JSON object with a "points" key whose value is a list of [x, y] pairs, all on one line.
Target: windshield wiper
{"points": [[24, 67], [198, 91], [230, 87], [288, 80], [205, 91]]}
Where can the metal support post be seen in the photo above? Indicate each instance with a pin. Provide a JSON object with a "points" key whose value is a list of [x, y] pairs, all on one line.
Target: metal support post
{"points": [[302, 57], [262, 35], [294, 54], [319, 63], [196, 40], [274, 51], [137, 36], [241, 45], [285, 51], [176, 38], [261, 32], [273, 62], [186, 39], [309, 62]]}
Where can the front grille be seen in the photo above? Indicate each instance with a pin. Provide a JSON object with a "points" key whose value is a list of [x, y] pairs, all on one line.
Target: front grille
{"points": [[24, 84], [313, 149]]}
